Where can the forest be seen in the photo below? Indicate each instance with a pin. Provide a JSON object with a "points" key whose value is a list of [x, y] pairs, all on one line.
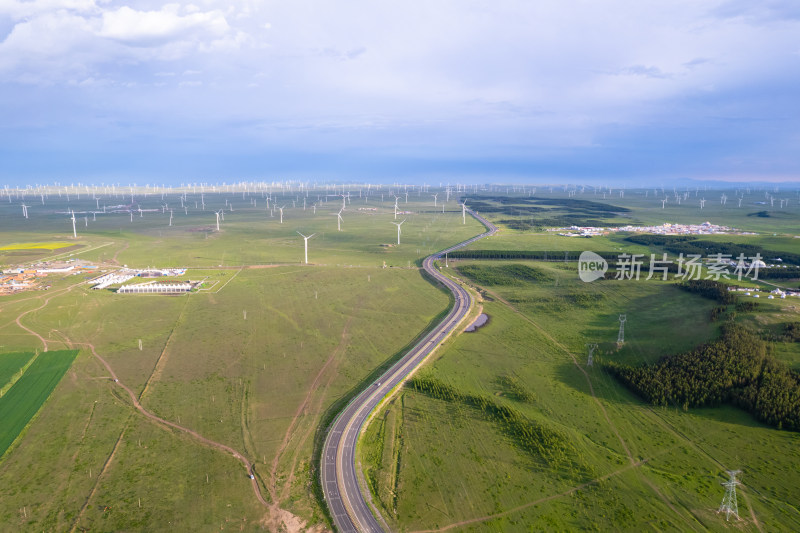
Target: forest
{"points": [[735, 369]]}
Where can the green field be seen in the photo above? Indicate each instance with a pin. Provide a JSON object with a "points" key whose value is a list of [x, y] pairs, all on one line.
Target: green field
{"points": [[10, 364], [254, 360], [28, 394], [434, 462], [269, 348]]}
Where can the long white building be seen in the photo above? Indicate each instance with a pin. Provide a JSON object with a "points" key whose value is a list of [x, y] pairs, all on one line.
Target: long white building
{"points": [[155, 288]]}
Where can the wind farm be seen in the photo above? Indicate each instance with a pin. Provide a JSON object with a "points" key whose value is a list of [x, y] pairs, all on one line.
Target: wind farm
{"points": [[262, 399], [419, 267]]}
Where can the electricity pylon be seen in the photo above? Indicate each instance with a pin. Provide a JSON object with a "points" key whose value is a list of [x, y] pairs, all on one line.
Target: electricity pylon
{"points": [[729, 505], [591, 347], [621, 335]]}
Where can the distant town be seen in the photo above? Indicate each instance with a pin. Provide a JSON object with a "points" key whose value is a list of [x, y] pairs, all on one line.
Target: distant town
{"points": [[706, 228]]}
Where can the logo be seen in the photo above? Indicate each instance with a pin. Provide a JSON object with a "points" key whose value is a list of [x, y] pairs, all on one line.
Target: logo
{"points": [[591, 266]]}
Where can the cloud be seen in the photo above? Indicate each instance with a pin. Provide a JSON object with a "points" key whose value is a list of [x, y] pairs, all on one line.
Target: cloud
{"points": [[449, 76], [17, 9], [696, 62], [148, 28], [59, 41], [759, 12], [643, 71]]}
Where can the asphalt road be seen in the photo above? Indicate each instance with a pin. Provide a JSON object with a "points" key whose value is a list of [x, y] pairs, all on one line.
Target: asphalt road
{"points": [[346, 504]]}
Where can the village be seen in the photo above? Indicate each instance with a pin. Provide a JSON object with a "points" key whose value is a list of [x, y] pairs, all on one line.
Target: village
{"points": [[706, 228], [37, 276]]}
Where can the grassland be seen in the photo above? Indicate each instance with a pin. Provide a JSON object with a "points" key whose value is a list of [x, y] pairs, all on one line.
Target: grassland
{"points": [[28, 394], [435, 462], [255, 361], [259, 357], [452, 463]]}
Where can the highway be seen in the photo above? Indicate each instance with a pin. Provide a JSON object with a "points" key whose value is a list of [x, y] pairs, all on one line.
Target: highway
{"points": [[346, 503]]}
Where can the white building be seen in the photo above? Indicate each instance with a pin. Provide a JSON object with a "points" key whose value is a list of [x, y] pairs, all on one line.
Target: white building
{"points": [[155, 288]]}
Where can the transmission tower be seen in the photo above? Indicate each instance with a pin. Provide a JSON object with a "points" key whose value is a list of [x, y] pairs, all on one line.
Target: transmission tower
{"points": [[621, 336], [729, 505], [591, 347]]}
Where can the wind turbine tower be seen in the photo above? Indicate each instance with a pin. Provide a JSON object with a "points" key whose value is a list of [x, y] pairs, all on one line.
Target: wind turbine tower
{"points": [[217, 213], [74, 231], [621, 335], [729, 505], [464, 212], [281, 210], [398, 229], [339, 219], [305, 241]]}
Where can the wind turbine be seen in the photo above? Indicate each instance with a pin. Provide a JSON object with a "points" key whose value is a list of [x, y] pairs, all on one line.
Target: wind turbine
{"points": [[305, 241], [25, 210], [281, 210], [74, 231], [398, 229], [339, 219], [217, 213], [464, 212], [434, 198]]}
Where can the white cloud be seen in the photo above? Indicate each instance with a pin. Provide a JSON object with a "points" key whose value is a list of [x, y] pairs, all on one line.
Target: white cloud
{"points": [[17, 9], [148, 28], [59, 41]]}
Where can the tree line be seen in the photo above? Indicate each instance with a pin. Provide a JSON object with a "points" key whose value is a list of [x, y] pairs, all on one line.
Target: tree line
{"points": [[546, 444], [688, 244], [735, 369], [541, 255]]}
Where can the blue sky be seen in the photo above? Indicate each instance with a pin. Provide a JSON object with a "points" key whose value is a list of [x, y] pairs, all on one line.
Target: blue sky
{"points": [[618, 91]]}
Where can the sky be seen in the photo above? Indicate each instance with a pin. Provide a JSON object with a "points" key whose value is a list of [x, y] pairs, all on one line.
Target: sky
{"points": [[579, 91]]}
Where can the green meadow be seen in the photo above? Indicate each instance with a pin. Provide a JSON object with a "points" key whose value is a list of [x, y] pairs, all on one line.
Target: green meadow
{"points": [[263, 355], [258, 359], [452, 451]]}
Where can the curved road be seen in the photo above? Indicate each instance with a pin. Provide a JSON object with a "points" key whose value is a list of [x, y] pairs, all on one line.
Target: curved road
{"points": [[347, 505]]}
